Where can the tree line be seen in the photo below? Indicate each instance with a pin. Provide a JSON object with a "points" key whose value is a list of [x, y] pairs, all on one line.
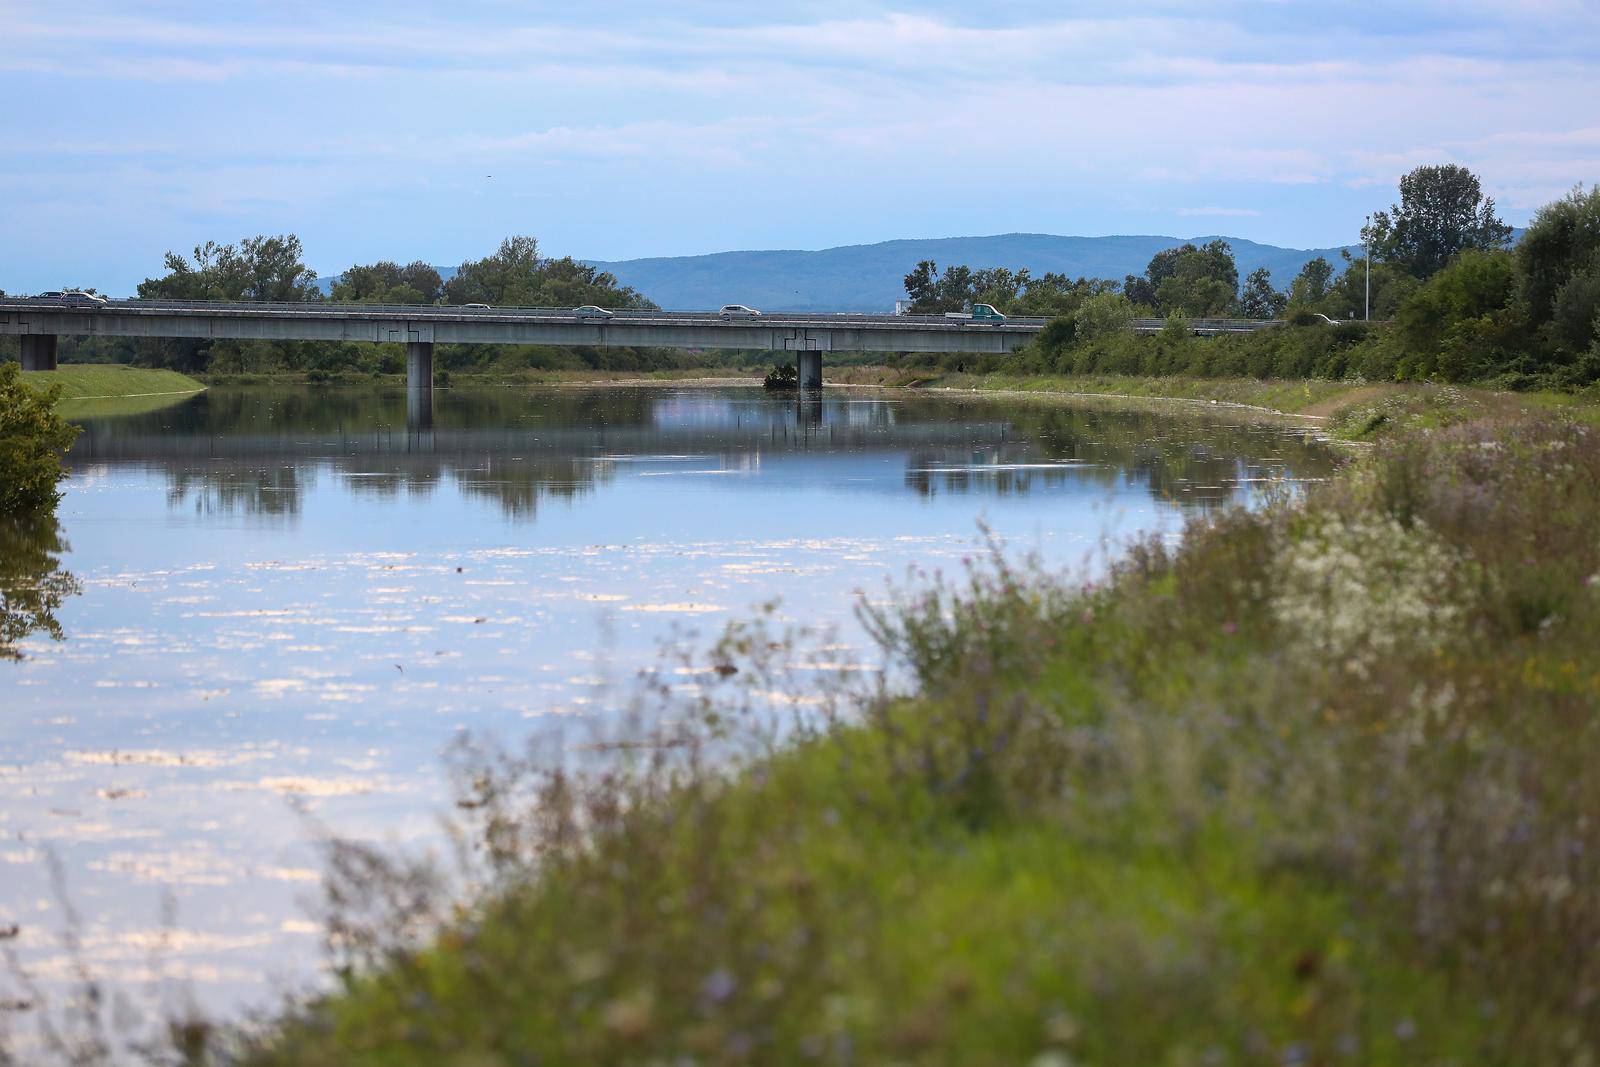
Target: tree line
{"points": [[272, 269], [1453, 298]]}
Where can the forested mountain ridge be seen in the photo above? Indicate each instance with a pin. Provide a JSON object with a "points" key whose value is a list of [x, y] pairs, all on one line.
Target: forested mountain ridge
{"points": [[871, 277]]}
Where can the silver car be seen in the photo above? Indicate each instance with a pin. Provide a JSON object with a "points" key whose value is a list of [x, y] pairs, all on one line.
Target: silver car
{"points": [[589, 311], [737, 311], [72, 299]]}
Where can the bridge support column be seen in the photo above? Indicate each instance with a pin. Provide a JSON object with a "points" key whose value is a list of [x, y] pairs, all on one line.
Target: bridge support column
{"points": [[38, 351], [419, 367], [808, 365], [419, 393]]}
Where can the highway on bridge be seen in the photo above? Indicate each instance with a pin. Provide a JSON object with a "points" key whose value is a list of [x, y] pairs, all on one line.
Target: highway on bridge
{"points": [[39, 321]]}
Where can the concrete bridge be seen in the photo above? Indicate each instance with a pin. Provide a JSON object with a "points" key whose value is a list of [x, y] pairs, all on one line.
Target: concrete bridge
{"points": [[40, 321]]}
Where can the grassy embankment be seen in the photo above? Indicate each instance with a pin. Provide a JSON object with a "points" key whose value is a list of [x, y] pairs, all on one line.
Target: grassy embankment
{"points": [[521, 376], [93, 389], [1314, 786]]}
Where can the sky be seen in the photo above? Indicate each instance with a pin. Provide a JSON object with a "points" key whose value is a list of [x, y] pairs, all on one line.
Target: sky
{"points": [[408, 130]]}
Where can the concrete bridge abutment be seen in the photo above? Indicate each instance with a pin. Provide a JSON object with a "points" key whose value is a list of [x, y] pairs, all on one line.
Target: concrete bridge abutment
{"points": [[38, 351]]}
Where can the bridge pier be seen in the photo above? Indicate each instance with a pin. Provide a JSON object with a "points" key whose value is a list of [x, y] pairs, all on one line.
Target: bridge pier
{"points": [[38, 351], [419, 395], [808, 366], [419, 367]]}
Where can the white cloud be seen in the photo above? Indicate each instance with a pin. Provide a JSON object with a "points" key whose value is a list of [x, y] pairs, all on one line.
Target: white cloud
{"points": [[652, 130]]}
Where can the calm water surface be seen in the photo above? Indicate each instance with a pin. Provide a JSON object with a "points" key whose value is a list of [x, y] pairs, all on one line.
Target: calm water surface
{"points": [[284, 599]]}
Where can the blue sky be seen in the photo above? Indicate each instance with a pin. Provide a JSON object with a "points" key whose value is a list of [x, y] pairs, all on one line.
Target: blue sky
{"points": [[426, 130]]}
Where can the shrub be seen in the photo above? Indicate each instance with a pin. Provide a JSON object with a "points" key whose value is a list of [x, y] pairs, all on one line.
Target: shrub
{"points": [[32, 439], [1461, 325]]}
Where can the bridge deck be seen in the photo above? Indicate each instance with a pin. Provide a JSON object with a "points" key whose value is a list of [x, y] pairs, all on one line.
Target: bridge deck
{"points": [[803, 332]]}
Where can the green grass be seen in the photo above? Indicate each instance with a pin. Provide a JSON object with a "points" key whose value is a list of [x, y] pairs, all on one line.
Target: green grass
{"points": [[92, 381], [1314, 786]]}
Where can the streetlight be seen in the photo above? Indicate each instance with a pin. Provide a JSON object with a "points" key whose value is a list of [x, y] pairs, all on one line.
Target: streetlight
{"points": [[1366, 254]]}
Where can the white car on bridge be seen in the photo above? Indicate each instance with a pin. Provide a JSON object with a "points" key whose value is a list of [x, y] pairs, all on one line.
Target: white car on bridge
{"points": [[738, 311], [73, 298]]}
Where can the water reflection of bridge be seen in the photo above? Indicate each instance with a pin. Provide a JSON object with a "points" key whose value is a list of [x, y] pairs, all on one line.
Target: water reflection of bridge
{"points": [[806, 430], [260, 451]]}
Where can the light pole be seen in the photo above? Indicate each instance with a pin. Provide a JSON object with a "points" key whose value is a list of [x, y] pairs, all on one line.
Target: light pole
{"points": [[1366, 254]]}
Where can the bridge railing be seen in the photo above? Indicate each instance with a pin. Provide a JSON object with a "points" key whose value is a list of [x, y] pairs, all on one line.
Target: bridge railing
{"points": [[324, 308]]}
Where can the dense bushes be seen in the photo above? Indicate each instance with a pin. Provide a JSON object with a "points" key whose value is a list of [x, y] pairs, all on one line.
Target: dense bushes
{"points": [[1314, 349]]}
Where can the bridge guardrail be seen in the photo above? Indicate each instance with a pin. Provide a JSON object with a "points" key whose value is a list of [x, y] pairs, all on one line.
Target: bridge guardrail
{"points": [[424, 311]]}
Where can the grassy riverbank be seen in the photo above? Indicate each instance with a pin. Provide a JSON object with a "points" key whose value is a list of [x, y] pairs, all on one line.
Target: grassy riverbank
{"points": [[527, 376], [1313, 786], [97, 381]]}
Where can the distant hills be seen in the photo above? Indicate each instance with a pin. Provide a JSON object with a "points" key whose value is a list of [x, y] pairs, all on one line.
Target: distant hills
{"points": [[871, 277]]}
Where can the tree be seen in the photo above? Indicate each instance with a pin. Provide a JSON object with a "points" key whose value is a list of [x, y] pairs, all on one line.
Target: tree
{"points": [[1054, 295], [1191, 279], [386, 282], [1575, 319], [1195, 281], [268, 269], [1102, 314], [1462, 322], [1139, 291], [265, 269], [1442, 211], [1558, 269], [1311, 285], [998, 287], [33, 437], [1347, 296], [516, 275], [1259, 299], [1014, 292], [933, 292]]}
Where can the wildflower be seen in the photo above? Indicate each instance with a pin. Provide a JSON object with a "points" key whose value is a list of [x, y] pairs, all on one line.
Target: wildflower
{"points": [[1355, 590]]}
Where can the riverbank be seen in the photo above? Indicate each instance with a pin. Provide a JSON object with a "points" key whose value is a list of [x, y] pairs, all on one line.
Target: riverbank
{"points": [[94, 389], [1311, 786], [1352, 410]]}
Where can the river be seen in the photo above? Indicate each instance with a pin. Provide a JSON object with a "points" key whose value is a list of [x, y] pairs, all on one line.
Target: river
{"points": [[266, 609]]}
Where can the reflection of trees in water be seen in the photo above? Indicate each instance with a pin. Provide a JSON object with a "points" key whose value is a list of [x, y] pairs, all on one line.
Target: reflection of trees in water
{"points": [[260, 492], [329, 411], [250, 450], [1187, 461], [32, 583], [518, 485]]}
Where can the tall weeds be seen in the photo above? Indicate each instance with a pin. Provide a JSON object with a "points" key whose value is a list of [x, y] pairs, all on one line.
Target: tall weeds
{"points": [[1311, 786]]}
